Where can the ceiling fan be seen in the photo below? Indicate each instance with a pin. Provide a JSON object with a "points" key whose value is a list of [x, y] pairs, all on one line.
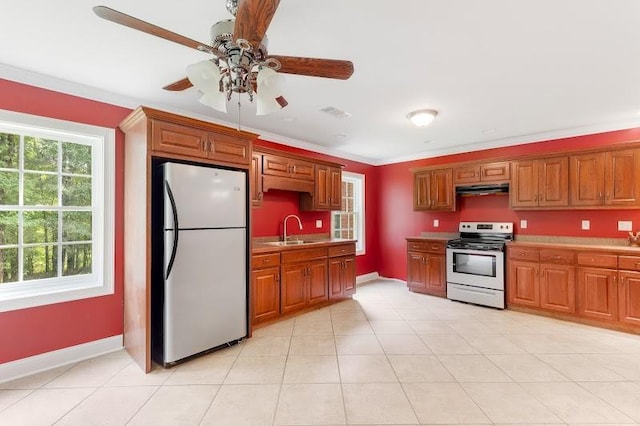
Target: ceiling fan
{"points": [[240, 62]]}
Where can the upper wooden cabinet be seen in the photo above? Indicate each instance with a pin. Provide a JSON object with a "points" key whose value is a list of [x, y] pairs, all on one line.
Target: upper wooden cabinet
{"points": [[319, 182], [540, 183], [210, 142], [479, 173], [433, 190], [327, 194], [256, 180], [606, 178]]}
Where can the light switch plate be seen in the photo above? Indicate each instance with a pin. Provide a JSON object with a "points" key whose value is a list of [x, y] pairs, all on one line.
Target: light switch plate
{"points": [[523, 224], [586, 225], [436, 223], [319, 223], [625, 225]]}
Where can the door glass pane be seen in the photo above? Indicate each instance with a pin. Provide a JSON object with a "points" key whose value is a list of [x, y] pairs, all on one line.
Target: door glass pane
{"points": [[40, 154], [475, 264], [9, 193], [76, 259], [40, 262], [9, 150], [76, 226], [76, 158], [40, 227], [8, 265], [8, 228], [76, 191]]}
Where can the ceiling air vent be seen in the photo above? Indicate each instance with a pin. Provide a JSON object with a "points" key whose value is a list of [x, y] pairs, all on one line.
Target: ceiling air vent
{"points": [[335, 112]]}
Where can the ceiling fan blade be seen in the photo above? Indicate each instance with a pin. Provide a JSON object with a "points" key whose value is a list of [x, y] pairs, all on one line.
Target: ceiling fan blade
{"points": [[137, 24], [253, 19], [179, 85], [328, 68]]}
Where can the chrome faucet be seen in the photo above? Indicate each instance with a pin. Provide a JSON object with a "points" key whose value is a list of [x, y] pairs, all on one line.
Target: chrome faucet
{"points": [[284, 236]]}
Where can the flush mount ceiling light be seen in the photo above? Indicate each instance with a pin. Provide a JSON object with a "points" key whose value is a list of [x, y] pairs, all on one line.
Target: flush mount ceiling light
{"points": [[422, 117]]}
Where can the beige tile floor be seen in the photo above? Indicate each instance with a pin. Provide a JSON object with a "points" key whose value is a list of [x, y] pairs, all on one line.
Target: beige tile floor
{"points": [[387, 357]]}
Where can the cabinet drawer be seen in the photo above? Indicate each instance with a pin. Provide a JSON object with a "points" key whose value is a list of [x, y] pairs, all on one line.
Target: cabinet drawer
{"points": [[342, 250], [631, 263], [530, 254], [495, 171], [428, 246], [556, 256], [302, 255], [469, 174], [265, 260], [598, 259]]}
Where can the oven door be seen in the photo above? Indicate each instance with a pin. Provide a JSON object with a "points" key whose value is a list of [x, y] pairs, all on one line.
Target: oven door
{"points": [[476, 268]]}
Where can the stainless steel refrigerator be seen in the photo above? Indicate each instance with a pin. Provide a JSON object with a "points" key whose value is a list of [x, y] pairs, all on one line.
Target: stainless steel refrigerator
{"points": [[200, 286]]}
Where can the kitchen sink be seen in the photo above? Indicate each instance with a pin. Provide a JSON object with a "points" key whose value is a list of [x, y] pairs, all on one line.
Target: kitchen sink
{"points": [[289, 243]]}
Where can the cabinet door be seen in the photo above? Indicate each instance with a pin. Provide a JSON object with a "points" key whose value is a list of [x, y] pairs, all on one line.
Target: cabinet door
{"points": [[322, 193], [293, 287], [265, 294], [468, 175], [441, 190], [622, 185], [229, 149], [256, 180], [317, 281], [435, 270], [275, 165], [558, 288], [335, 198], [421, 200], [301, 169], [553, 182], [177, 139], [335, 277], [586, 179], [597, 293], [524, 184], [349, 276], [523, 285], [629, 297], [416, 271], [494, 172]]}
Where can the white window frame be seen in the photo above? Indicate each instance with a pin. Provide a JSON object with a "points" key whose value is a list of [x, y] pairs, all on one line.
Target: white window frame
{"points": [[359, 202], [100, 281]]}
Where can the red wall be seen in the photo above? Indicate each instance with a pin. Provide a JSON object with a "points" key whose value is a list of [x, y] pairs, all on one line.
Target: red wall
{"points": [[28, 332], [397, 219], [267, 220]]}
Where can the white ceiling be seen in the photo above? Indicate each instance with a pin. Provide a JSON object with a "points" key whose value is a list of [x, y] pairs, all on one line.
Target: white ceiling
{"points": [[499, 72]]}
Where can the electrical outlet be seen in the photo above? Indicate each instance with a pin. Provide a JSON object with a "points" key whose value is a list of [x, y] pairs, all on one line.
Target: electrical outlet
{"points": [[625, 225], [586, 225], [436, 223], [319, 223], [523, 224]]}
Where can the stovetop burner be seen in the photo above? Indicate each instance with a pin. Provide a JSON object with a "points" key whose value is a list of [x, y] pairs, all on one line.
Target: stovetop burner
{"points": [[486, 236]]}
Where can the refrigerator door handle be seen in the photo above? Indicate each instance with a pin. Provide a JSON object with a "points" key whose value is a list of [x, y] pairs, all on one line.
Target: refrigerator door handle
{"points": [[174, 210]]}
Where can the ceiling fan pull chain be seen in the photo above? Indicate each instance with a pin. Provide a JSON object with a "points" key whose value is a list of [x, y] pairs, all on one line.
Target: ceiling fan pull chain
{"points": [[239, 105]]}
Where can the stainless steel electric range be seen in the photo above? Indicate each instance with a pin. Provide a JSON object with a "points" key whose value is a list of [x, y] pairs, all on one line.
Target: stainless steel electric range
{"points": [[476, 263]]}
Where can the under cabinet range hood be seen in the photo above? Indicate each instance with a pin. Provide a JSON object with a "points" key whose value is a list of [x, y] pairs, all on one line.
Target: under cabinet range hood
{"points": [[483, 189]]}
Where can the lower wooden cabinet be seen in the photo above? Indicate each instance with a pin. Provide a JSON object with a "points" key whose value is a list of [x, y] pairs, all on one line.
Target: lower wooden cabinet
{"points": [[303, 284], [558, 288], [598, 293], [342, 277], [426, 267], [629, 297], [265, 287], [523, 283]]}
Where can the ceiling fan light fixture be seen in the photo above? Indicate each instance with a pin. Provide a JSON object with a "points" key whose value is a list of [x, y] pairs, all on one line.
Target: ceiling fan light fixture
{"points": [[422, 117], [269, 92], [214, 99], [204, 75]]}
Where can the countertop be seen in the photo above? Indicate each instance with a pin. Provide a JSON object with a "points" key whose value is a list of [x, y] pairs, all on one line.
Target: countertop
{"points": [[619, 248], [264, 246], [439, 236]]}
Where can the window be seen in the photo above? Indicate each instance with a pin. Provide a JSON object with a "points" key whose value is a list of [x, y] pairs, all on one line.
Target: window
{"points": [[56, 211], [349, 223]]}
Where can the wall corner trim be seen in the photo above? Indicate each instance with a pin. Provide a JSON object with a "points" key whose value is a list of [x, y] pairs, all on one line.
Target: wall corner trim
{"points": [[38, 363], [372, 276]]}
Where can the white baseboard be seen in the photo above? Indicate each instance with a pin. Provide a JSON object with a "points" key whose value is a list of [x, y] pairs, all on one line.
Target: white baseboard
{"points": [[35, 364], [360, 279]]}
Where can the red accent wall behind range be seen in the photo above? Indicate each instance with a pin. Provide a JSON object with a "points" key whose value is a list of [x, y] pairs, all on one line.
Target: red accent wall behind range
{"points": [[28, 332], [397, 219]]}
